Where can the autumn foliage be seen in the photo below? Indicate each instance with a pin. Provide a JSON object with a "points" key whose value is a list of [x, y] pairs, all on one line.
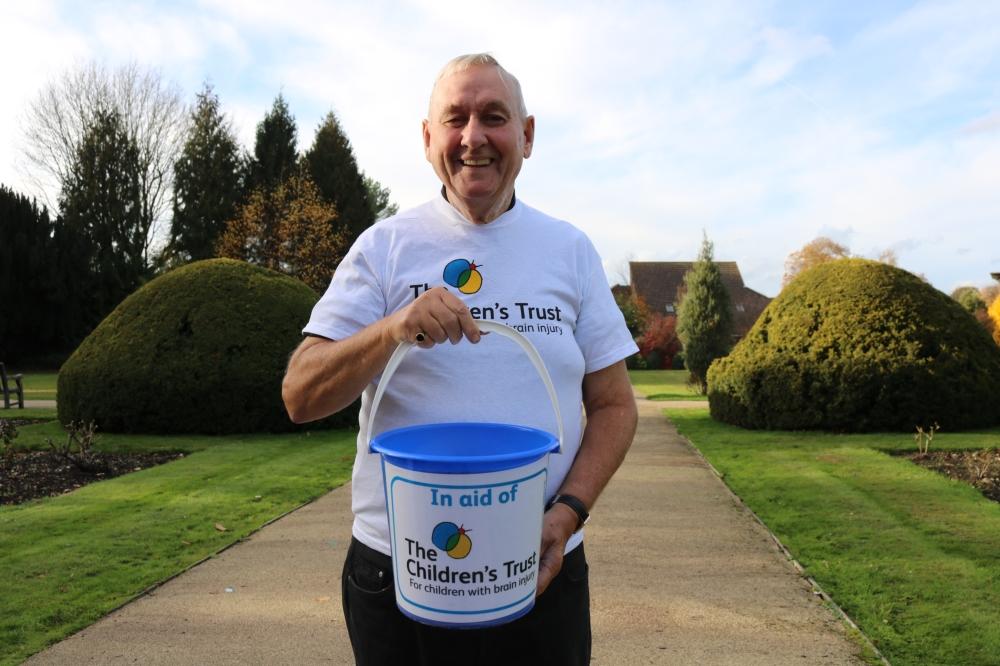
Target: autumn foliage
{"points": [[813, 253], [659, 343], [994, 313], [289, 229]]}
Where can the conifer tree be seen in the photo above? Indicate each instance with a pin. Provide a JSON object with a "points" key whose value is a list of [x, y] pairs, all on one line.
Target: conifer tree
{"points": [[44, 282], [335, 171], [704, 321], [102, 200], [378, 199], [274, 153], [206, 181]]}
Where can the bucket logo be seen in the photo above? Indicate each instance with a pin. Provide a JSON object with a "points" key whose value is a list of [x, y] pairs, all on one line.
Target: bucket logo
{"points": [[462, 273], [452, 539]]}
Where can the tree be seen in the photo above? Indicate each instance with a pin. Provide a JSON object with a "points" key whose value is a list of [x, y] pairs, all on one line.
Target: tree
{"points": [[813, 253], [335, 171], [44, 282], [994, 313], [704, 322], [288, 229], [103, 201], [658, 343], [274, 152], [969, 298], [378, 199], [634, 310], [990, 293], [150, 113], [206, 181]]}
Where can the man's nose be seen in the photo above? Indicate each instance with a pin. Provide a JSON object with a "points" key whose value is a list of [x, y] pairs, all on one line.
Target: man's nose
{"points": [[473, 134]]}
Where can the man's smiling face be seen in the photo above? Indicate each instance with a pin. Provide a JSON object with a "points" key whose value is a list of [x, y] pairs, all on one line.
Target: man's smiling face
{"points": [[476, 139]]}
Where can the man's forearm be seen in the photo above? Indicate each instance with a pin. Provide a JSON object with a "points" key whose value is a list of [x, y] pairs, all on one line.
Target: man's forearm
{"points": [[611, 421], [325, 376]]}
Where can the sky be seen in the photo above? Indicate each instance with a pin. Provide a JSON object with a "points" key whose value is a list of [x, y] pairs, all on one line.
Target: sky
{"points": [[762, 124]]}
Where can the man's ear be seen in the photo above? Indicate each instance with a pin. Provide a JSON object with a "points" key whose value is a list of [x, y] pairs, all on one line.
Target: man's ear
{"points": [[425, 127], [529, 135]]}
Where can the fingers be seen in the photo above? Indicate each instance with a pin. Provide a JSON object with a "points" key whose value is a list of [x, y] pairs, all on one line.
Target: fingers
{"points": [[549, 566], [435, 317]]}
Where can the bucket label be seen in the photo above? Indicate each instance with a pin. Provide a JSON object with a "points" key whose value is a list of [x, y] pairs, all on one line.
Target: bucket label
{"points": [[465, 546]]}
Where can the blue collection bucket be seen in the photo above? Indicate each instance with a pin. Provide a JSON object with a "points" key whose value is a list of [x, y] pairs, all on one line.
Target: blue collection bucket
{"points": [[465, 504]]}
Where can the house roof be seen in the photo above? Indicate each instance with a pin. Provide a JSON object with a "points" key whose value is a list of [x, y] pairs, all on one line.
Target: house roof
{"points": [[658, 283]]}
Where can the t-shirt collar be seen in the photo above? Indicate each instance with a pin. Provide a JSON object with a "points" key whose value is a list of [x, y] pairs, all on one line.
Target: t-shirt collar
{"points": [[508, 215]]}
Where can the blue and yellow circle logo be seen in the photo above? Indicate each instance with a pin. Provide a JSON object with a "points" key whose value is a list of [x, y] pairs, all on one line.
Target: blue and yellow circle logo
{"points": [[462, 273], [452, 539]]}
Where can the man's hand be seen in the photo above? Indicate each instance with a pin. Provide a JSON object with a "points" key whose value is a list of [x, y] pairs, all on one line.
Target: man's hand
{"points": [[324, 376], [558, 525], [437, 314]]}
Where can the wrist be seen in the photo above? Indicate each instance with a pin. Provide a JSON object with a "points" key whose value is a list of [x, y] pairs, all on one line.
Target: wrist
{"points": [[575, 507]]}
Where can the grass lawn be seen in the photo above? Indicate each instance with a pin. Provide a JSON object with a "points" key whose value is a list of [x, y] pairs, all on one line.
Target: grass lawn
{"points": [[911, 556], [664, 384], [68, 560], [40, 385], [29, 413]]}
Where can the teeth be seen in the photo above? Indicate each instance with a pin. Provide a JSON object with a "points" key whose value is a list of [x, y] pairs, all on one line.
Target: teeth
{"points": [[482, 162]]}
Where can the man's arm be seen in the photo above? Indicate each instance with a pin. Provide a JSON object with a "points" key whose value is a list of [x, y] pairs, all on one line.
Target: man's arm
{"points": [[611, 419], [324, 376]]}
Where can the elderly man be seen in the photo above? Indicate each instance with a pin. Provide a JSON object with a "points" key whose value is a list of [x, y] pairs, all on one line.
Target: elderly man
{"points": [[524, 269]]}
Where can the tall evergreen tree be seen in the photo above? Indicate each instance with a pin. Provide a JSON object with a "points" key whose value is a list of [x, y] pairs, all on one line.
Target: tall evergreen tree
{"points": [[43, 283], [206, 181], [378, 199], [102, 200], [274, 152], [704, 321], [333, 168]]}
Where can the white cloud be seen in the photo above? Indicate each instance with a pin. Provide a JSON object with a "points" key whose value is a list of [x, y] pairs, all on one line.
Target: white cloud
{"points": [[655, 120]]}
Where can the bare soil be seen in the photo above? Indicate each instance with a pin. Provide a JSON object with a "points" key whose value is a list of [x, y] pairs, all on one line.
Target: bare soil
{"points": [[980, 468], [28, 475]]}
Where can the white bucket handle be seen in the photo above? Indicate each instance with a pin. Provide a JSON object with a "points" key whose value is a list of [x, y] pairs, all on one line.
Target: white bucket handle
{"points": [[488, 326]]}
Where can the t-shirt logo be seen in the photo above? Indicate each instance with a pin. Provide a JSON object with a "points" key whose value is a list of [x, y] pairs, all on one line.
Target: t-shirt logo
{"points": [[463, 274]]}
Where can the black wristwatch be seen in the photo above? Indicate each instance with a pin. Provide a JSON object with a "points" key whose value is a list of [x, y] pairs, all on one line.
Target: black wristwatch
{"points": [[574, 503]]}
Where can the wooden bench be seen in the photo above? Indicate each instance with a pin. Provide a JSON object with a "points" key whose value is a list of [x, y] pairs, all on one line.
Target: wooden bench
{"points": [[17, 391]]}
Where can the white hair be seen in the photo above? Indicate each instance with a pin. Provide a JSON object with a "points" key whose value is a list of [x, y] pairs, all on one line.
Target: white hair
{"points": [[464, 62]]}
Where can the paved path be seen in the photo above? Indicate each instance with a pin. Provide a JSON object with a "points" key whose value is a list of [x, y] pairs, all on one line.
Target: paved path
{"points": [[680, 574], [12, 412]]}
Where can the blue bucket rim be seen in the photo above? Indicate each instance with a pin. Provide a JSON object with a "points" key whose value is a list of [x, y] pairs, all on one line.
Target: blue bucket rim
{"points": [[527, 455]]}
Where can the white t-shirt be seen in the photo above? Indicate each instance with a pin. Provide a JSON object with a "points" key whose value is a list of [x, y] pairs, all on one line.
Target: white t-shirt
{"points": [[532, 272]]}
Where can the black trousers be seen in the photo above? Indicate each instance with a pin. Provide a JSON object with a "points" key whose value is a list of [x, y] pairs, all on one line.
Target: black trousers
{"points": [[555, 632]]}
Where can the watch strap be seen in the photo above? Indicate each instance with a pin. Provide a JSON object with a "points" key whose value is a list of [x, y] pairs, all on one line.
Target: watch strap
{"points": [[574, 503]]}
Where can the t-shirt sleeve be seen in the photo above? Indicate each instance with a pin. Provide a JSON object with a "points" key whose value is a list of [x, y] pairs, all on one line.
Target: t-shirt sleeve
{"points": [[355, 298], [600, 332]]}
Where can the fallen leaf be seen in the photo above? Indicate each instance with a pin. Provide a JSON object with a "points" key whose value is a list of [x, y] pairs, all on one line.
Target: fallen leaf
{"points": [[220, 527]]}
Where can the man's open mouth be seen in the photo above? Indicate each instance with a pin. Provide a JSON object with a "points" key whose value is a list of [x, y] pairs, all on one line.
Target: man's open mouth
{"points": [[484, 161]]}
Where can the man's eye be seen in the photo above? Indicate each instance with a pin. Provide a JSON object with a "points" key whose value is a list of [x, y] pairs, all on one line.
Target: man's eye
{"points": [[454, 121], [495, 119]]}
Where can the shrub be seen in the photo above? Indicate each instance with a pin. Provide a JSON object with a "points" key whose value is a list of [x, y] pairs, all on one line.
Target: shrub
{"points": [[658, 344], [201, 349], [854, 345]]}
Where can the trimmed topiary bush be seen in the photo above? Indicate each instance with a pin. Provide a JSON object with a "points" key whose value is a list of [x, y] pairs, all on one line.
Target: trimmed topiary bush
{"points": [[859, 346], [201, 349]]}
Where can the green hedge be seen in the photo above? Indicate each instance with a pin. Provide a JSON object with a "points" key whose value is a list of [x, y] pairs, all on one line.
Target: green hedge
{"points": [[859, 346], [201, 349]]}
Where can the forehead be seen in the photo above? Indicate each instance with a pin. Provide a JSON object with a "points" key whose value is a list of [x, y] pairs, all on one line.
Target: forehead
{"points": [[476, 87]]}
